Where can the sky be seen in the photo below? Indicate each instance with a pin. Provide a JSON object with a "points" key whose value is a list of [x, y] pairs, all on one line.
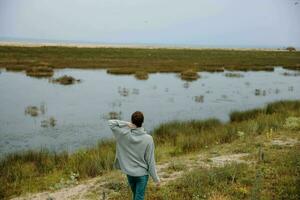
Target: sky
{"points": [[252, 23]]}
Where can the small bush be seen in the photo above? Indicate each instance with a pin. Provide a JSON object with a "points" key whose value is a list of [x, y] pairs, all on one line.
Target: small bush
{"points": [[291, 49]]}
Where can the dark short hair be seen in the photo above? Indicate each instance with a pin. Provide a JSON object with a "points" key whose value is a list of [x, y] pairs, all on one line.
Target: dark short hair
{"points": [[137, 118]]}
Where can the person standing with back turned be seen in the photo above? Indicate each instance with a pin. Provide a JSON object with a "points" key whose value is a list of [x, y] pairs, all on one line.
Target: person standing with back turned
{"points": [[134, 153]]}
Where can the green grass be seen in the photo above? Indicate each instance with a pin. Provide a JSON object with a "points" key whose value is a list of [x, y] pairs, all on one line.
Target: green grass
{"points": [[129, 60], [34, 171]]}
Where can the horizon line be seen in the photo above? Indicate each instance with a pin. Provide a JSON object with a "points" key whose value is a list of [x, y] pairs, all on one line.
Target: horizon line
{"points": [[79, 44]]}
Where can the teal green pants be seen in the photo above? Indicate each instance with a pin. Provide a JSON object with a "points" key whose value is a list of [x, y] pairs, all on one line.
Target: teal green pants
{"points": [[138, 186]]}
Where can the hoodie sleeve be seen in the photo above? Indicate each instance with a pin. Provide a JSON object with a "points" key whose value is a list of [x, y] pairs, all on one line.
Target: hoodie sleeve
{"points": [[150, 159], [118, 127]]}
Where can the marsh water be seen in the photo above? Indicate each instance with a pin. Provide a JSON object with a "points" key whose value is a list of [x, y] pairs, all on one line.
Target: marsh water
{"points": [[80, 111]]}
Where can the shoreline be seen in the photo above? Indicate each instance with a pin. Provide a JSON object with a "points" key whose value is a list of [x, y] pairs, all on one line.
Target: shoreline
{"points": [[130, 46]]}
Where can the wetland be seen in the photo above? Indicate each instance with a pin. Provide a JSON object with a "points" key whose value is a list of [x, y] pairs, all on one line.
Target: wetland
{"points": [[35, 113]]}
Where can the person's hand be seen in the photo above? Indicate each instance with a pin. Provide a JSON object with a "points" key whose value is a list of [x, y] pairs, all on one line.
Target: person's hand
{"points": [[158, 184], [131, 125]]}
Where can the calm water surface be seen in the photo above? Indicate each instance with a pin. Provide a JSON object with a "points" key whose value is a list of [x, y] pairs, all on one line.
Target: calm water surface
{"points": [[81, 110]]}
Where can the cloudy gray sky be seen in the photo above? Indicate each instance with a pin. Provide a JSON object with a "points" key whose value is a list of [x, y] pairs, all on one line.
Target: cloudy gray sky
{"points": [[260, 23]]}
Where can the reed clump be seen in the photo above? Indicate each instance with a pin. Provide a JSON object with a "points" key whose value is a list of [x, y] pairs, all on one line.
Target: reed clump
{"points": [[121, 71], [40, 72], [65, 80], [141, 75], [292, 67], [250, 68], [16, 68], [189, 75]]}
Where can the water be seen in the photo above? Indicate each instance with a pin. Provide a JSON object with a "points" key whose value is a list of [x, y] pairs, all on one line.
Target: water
{"points": [[81, 110]]}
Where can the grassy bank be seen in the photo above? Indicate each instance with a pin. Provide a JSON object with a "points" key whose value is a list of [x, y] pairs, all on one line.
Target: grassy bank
{"points": [[34, 171], [129, 60]]}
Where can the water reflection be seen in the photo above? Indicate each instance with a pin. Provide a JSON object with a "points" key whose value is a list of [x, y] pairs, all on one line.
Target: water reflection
{"points": [[186, 85], [260, 92], [113, 115], [291, 73], [233, 75], [135, 91], [51, 122], [33, 111], [123, 91], [117, 104], [199, 99]]}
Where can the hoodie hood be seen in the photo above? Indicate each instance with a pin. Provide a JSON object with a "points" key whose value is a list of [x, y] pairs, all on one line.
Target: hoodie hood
{"points": [[138, 131], [137, 134]]}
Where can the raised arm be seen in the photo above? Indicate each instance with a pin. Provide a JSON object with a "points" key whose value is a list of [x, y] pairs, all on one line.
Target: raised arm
{"points": [[150, 159], [118, 127]]}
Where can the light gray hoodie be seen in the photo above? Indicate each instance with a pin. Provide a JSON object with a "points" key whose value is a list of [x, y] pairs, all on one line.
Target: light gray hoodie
{"points": [[134, 151]]}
